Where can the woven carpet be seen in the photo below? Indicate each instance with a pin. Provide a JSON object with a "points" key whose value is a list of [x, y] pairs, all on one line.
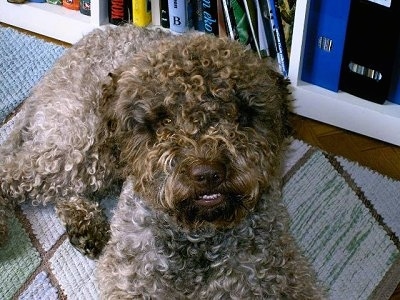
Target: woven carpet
{"points": [[344, 216]]}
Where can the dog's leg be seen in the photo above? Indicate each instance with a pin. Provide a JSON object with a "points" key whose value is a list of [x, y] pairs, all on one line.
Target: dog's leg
{"points": [[86, 224], [41, 177]]}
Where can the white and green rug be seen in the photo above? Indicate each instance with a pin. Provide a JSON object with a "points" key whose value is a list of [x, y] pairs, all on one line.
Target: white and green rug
{"points": [[345, 217]]}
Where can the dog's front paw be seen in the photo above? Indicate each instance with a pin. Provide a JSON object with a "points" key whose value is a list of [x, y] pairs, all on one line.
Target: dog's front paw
{"points": [[89, 239], [86, 225]]}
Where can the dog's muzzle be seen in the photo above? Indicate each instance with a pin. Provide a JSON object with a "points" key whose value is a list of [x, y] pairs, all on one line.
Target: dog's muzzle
{"points": [[210, 199], [205, 179]]}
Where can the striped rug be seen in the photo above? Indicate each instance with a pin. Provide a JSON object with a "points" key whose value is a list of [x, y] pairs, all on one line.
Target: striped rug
{"points": [[344, 216]]}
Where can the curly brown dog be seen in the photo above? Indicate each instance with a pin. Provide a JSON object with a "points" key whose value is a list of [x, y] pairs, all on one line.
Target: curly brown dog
{"points": [[196, 126]]}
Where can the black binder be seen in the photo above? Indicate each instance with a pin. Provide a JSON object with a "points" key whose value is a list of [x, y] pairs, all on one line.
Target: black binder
{"points": [[370, 49]]}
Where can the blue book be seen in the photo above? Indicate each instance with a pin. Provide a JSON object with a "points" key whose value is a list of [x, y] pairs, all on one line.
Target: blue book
{"points": [[325, 40], [210, 16], [279, 36], [198, 22]]}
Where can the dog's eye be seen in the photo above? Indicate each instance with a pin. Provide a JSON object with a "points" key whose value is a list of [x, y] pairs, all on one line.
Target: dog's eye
{"points": [[246, 117], [244, 120], [166, 121], [158, 117]]}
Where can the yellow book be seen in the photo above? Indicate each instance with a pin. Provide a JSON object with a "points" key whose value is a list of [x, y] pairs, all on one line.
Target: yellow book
{"points": [[141, 12]]}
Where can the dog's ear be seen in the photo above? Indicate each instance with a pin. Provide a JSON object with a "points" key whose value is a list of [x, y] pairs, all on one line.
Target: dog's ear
{"points": [[130, 105], [269, 101], [119, 105], [286, 105], [107, 101]]}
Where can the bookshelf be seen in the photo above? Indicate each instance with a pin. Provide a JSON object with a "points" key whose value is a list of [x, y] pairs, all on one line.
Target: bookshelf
{"points": [[339, 109], [54, 21]]}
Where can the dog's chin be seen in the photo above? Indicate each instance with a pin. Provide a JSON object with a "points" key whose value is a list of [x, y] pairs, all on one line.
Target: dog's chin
{"points": [[220, 210]]}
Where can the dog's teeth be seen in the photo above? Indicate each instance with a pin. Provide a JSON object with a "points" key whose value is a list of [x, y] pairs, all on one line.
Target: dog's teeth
{"points": [[210, 197]]}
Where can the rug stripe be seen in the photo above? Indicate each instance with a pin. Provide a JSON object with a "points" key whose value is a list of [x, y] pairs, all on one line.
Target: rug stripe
{"points": [[367, 203], [24, 216], [377, 187]]}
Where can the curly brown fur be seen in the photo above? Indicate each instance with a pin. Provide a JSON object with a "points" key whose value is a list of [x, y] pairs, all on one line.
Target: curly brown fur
{"points": [[198, 124], [55, 153]]}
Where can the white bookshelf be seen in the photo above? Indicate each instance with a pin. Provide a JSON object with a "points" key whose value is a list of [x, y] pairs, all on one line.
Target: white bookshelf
{"points": [[54, 21], [339, 109]]}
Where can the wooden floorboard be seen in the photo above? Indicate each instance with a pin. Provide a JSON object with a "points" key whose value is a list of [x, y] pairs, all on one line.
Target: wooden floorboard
{"points": [[374, 154], [377, 155]]}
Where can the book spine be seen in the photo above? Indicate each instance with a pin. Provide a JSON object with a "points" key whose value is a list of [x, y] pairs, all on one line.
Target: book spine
{"points": [[198, 21], [240, 19], [164, 13], [230, 26], [210, 16], [120, 12], [155, 12], [222, 27], [84, 7], [279, 37], [141, 12], [178, 15], [267, 42], [71, 4], [252, 19]]}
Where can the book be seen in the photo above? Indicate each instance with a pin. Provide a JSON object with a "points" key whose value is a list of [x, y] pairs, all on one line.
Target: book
{"points": [[222, 31], [141, 12], [84, 7], [210, 16], [229, 19], [70, 4], [324, 42], [267, 42], [251, 14], [120, 11], [279, 36], [241, 22], [288, 10], [179, 13], [164, 14], [156, 12], [198, 22]]}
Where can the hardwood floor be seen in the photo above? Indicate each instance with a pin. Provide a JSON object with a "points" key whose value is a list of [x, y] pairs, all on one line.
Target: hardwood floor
{"points": [[379, 156], [376, 155]]}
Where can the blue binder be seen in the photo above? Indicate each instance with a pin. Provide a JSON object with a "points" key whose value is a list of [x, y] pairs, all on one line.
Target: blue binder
{"points": [[394, 92], [324, 45]]}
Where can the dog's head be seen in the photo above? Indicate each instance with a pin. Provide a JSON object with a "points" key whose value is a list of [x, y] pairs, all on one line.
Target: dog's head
{"points": [[200, 123]]}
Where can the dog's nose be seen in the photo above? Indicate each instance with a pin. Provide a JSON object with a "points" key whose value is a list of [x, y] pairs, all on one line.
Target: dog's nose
{"points": [[208, 174]]}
